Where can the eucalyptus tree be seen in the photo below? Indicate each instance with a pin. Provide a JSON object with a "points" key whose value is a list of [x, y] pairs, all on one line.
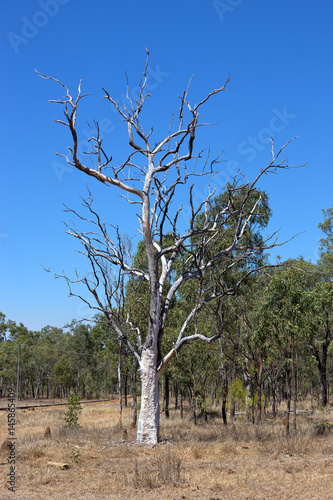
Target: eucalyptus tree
{"points": [[284, 312], [45, 353], [254, 347], [3, 327], [322, 333], [106, 355], [19, 335], [226, 317], [82, 349], [150, 177], [8, 356], [320, 339], [326, 244]]}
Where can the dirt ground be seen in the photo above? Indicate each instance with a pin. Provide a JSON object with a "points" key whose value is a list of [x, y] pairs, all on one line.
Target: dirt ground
{"points": [[206, 461]]}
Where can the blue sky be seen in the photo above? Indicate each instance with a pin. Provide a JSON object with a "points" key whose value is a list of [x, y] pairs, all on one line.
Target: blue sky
{"points": [[280, 55]]}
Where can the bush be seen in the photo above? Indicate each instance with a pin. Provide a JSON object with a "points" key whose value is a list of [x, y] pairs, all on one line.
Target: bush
{"points": [[237, 394], [323, 428], [71, 416]]}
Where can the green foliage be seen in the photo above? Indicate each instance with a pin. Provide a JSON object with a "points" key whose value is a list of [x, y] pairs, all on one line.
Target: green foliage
{"points": [[89, 385], [285, 306], [202, 403], [323, 428], [237, 394], [254, 401], [3, 327], [74, 409], [76, 455], [326, 243]]}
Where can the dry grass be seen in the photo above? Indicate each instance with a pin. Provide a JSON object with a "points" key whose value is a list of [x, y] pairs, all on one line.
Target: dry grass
{"points": [[204, 461]]}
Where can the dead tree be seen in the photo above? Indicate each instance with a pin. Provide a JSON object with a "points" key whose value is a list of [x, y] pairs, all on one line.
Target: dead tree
{"points": [[150, 175]]}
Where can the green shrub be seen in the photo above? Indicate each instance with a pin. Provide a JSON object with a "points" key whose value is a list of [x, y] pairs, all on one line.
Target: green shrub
{"points": [[237, 394], [76, 455], [323, 428], [71, 416]]}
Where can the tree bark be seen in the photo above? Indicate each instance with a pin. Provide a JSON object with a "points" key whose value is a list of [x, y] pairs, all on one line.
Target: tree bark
{"points": [[323, 385], [259, 392], [224, 386], [125, 389], [134, 394], [120, 396], [181, 405], [149, 419], [294, 379], [78, 377], [167, 395], [106, 383], [322, 367], [40, 378], [175, 388], [193, 405], [274, 399], [288, 400]]}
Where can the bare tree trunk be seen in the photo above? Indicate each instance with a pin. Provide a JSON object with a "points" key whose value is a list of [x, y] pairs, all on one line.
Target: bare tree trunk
{"points": [[163, 394], [32, 389], [234, 371], [288, 401], [213, 392], [78, 378], [134, 394], [38, 385], [294, 379], [224, 386], [216, 393], [322, 363], [274, 399], [120, 396], [105, 383], [149, 419], [175, 388], [311, 393], [181, 405], [259, 392], [252, 396], [224, 394], [125, 389], [167, 395], [193, 406]]}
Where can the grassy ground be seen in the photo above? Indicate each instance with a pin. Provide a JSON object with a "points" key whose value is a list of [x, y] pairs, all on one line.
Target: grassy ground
{"points": [[203, 461]]}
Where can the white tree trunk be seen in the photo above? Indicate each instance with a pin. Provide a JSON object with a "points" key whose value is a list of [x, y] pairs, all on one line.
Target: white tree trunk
{"points": [[149, 419]]}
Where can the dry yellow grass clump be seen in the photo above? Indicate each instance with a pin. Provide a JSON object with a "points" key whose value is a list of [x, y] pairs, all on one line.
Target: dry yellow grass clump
{"points": [[203, 461]]}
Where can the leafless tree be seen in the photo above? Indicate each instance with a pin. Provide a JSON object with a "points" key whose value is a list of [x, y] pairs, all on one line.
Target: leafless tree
{"points": [[150, 176]]}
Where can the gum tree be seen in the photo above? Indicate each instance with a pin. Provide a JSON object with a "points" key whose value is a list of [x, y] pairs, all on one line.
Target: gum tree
{"points": [[151, 175], [285, 322], [326, 244]]}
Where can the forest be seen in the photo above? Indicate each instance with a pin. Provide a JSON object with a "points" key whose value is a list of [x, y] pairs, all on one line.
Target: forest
{"points": [[273, 347]]}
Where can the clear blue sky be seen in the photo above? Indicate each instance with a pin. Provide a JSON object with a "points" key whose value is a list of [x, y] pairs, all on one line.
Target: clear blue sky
{"points": [[280, 54]]}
